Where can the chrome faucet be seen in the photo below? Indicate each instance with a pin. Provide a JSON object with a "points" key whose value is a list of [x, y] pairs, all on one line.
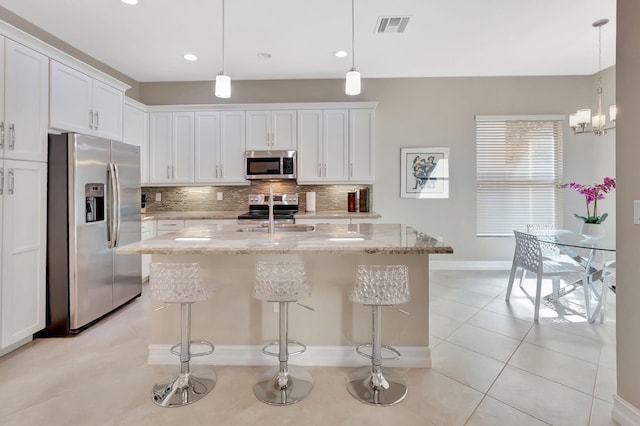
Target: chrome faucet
{"points": [[271, 221]]}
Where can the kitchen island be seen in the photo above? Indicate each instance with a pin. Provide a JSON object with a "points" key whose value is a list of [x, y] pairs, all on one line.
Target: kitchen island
{"points": [[238, 325]]}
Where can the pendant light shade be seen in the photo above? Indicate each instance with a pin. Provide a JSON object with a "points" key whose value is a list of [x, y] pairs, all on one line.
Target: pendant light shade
{"points": [[223, 81], [223, 86], [352, 83]]}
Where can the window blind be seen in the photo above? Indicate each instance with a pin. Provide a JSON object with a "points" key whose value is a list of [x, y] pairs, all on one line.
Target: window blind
{"points": [[518, 172]]}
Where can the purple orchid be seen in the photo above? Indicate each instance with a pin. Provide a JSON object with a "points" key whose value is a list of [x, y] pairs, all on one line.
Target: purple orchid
{"points": [[592, 194]]}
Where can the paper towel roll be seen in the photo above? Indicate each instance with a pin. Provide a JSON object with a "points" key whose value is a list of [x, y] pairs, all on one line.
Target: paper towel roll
{"points": [[311, 201]]}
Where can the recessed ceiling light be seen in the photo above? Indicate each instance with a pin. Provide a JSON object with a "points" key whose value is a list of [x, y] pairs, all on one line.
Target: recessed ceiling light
{"points": [[129, 1], [190, 57], [340, 54], [264, 55]]}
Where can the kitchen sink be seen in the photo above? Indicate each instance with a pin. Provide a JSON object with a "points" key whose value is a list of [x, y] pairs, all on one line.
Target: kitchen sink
{"points": [[285, 227]]}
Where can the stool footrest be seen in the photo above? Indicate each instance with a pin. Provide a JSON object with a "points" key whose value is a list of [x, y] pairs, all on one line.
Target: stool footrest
{"points": [[266, 351], [175, 349], [369, 345]]}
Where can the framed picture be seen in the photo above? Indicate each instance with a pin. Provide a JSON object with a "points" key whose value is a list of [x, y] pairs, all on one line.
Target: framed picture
{"points": [[424, 172]]}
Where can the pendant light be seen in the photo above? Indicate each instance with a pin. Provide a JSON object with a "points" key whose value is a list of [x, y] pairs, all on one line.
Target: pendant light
{"points": [[352, 84], [223, 81], [582, 121]]}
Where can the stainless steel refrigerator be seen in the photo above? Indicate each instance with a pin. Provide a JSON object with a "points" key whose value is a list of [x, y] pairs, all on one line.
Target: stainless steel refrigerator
{"points": [[93, 208]]}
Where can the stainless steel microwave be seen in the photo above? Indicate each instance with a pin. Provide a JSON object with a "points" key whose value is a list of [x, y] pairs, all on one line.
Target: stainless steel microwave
{"points": [[270, 165]]}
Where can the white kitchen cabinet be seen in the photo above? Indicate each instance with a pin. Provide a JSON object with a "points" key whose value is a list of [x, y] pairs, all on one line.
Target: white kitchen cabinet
{"points": [[336, 146], [323, 146], [355, 221], [271, 130], [361, 145], [147, 231], [165, 226], [316, 221], [23, 230], [171, 147], [24, 94], [219, 147], [83, 104], [217, 224], [136, 132]]}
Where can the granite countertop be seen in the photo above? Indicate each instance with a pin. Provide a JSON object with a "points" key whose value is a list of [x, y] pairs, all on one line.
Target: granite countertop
{"points": [[325, 238], [337, 215], [204, 215]]}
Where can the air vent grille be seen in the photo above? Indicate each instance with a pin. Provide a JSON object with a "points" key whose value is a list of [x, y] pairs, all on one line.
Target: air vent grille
{"points": [[391, 24]]}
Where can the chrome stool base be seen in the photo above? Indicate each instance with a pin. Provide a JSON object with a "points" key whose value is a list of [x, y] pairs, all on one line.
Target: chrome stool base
{"points": [[298, 386], [184, 389], [360, 386]]}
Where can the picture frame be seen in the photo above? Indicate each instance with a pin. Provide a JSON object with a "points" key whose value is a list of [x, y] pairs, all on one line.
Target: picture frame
{"points": [[424, 172]]}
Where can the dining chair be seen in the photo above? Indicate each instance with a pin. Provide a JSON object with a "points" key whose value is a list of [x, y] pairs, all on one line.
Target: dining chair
{"points": [[528, 256]]}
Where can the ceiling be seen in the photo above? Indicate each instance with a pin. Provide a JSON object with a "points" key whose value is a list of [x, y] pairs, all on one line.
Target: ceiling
{"points": [[443, 37]]}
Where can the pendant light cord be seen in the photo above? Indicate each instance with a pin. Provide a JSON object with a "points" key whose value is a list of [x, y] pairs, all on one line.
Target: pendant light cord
{"points": [[222, 36], [353, 43]]}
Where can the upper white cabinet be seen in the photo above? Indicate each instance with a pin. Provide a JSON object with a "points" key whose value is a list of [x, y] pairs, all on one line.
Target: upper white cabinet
{"points": [[361, 145], [274, 129], [323, 148], [219, 147], [80, 103], [336, 145], [171, 147], [23, 209], [24, 103], [136, 132]]}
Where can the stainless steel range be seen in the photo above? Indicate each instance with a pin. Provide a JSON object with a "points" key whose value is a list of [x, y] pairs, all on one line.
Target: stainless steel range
{"points": [[285, 206]]}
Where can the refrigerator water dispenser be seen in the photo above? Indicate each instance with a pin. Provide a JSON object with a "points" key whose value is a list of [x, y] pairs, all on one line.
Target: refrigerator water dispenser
{"points": [[94, 202]]}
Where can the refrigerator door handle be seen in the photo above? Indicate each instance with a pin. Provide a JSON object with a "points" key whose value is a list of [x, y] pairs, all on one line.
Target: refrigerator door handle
{"points": [[116, 209], [110, 206]]}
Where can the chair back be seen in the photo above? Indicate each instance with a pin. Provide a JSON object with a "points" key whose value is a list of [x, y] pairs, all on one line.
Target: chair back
{"points": [[548, 249], [177, 283], [528, 254], [381, 285], [281, 281]]}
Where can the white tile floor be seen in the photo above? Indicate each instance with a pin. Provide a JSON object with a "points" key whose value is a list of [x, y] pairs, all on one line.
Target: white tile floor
{"points": [[491, 366]]}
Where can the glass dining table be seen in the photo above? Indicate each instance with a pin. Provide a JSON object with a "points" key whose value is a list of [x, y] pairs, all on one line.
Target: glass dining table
{"points": [[592, 257]]}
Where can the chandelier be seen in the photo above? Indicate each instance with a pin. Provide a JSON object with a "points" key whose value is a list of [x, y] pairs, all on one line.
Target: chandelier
{"points": [[582, 121]]}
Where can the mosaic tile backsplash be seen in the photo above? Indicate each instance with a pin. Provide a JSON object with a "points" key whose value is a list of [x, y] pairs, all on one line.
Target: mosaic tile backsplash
{"points": [[235, 198]]}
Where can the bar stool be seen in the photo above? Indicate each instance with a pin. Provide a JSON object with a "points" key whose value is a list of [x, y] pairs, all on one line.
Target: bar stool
{"points": [[378, 286], [282, 282], [182, 283]]}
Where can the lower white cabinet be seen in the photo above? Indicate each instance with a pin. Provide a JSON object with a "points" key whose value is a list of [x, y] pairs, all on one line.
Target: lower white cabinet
{"points": [[218, 224], [165, 226], [316, 221], [23, 207], [148, 231]]}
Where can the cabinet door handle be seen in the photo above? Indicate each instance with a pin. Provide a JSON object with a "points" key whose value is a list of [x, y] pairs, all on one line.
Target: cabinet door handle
{"points": [[221, 171], [173, 172], [11, 182], [325, 169], [168, 171], [1, 181], [320, 170], [97, 121], [350, 169], [12, 140], [217, 176], [2, 135]]}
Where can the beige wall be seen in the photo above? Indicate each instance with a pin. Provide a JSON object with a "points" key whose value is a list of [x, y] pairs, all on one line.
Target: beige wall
{"points": [[438, 112], [40, 34], [627, 154]]}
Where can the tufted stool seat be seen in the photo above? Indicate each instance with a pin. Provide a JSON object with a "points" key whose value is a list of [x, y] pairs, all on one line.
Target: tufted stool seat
{"points": [[182, 283], [378, 286], [282, 282]]}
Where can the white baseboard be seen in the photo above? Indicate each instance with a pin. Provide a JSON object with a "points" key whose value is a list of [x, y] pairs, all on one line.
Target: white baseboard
{"points": [[323, 356], [470, 265], [624, 413]]}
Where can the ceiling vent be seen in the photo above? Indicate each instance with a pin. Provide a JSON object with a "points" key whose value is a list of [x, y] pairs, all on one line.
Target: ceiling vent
{"points": [[391, 24]]}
